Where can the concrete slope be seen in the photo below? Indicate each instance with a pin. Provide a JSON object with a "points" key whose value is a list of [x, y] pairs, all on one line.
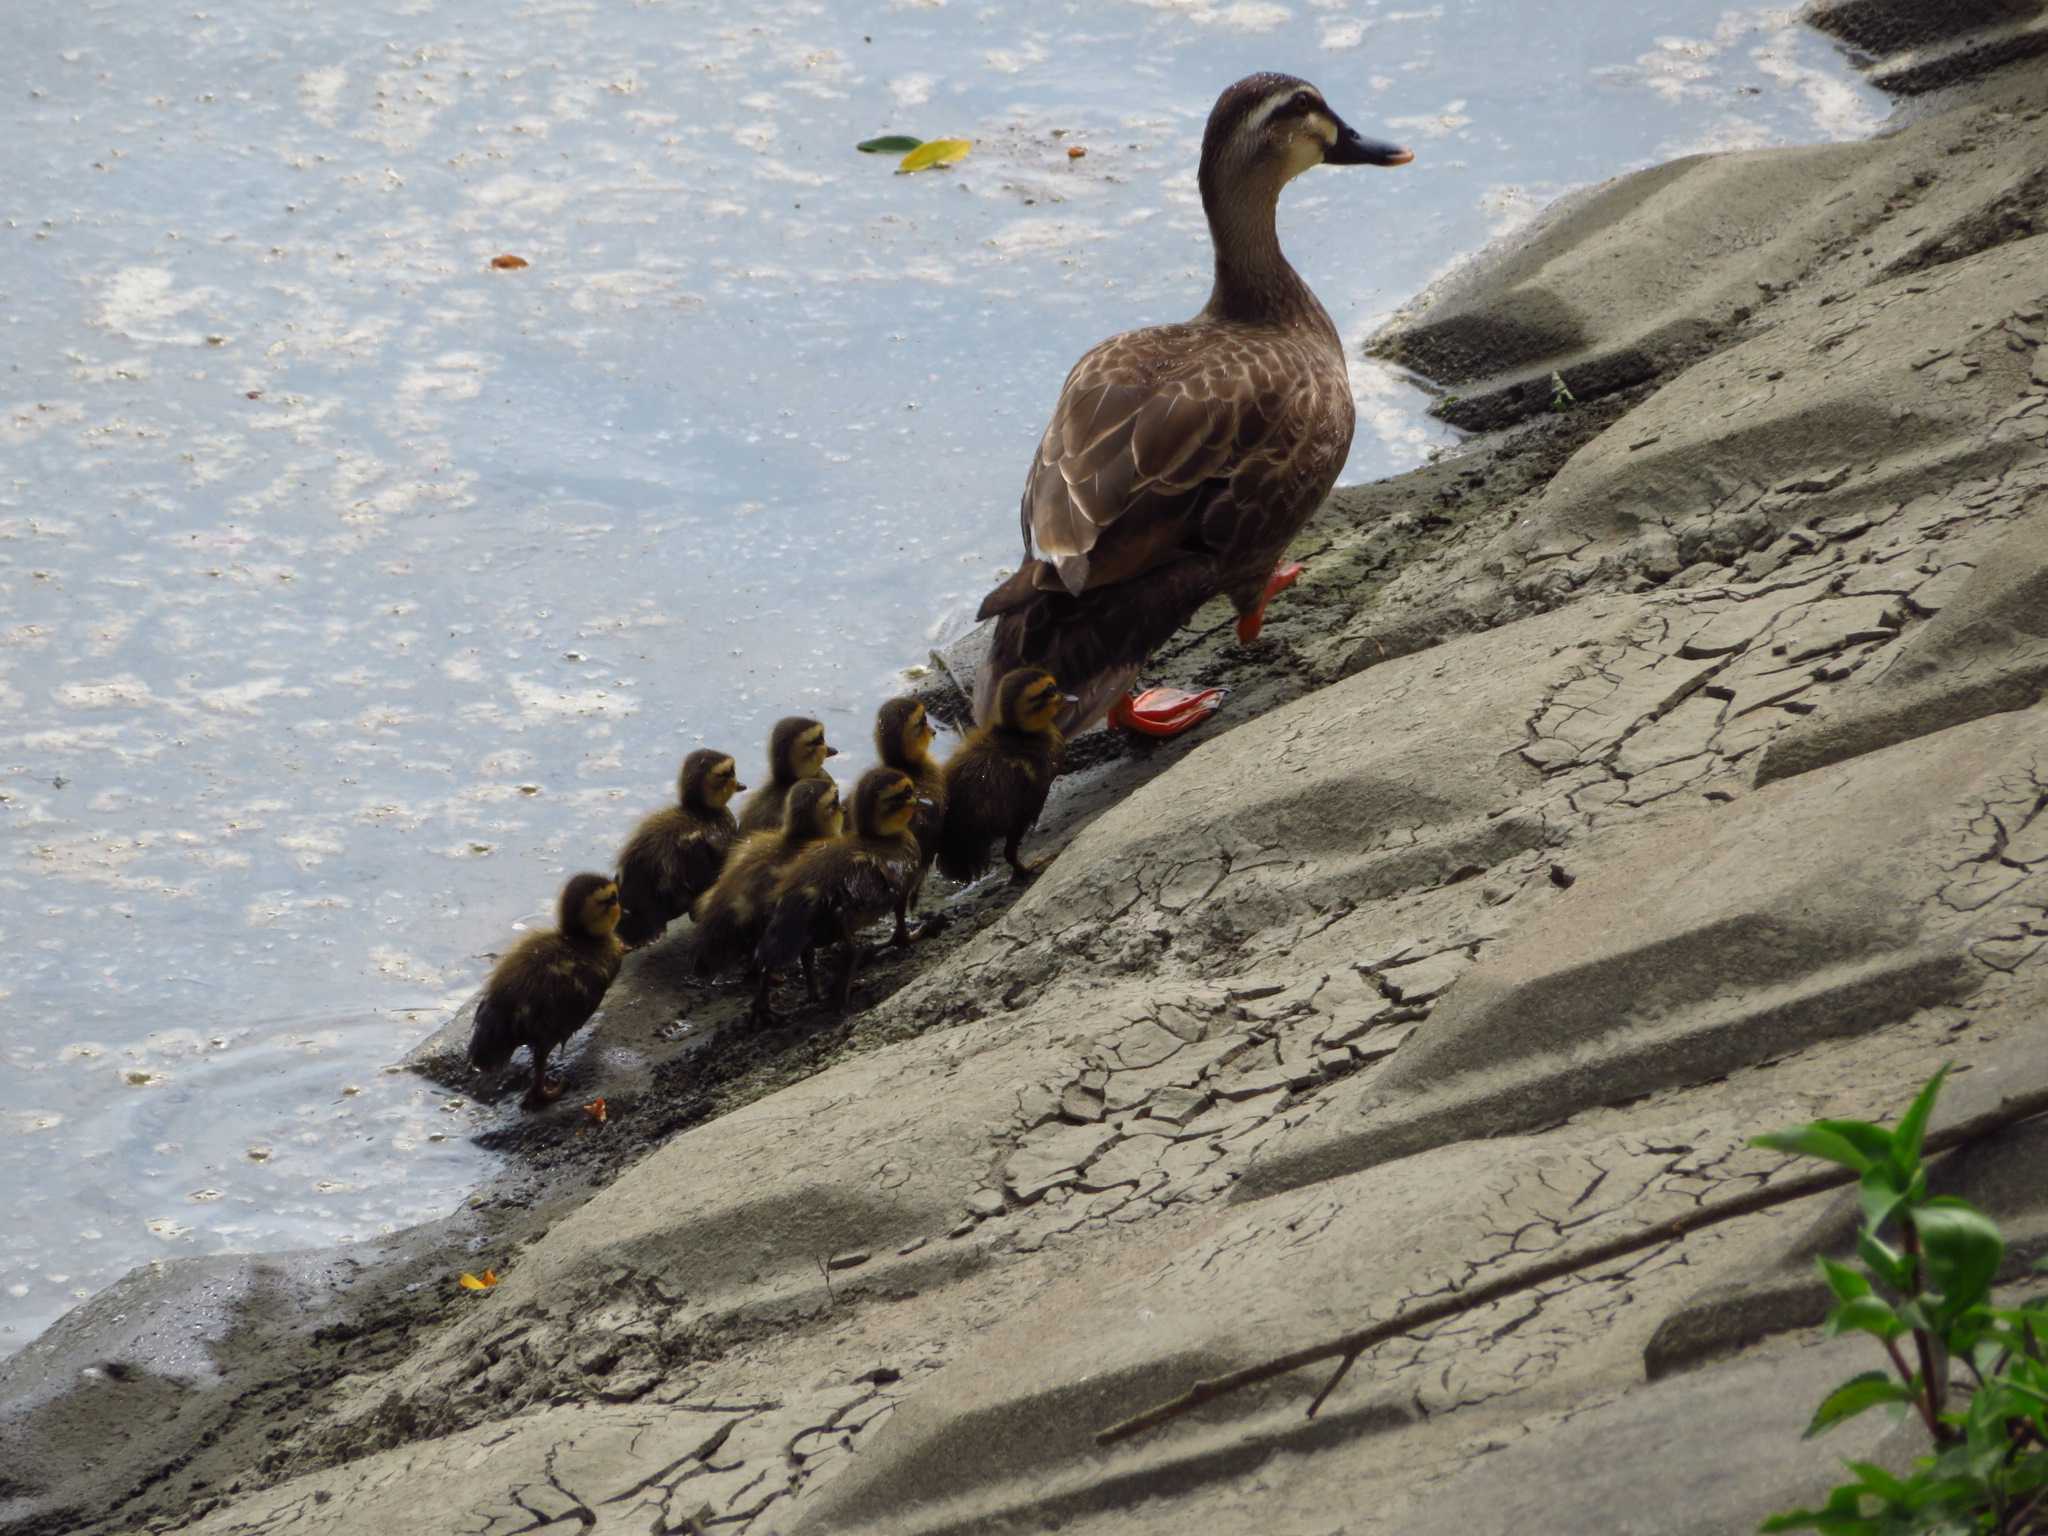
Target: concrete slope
{"points": [[1684, 777]]}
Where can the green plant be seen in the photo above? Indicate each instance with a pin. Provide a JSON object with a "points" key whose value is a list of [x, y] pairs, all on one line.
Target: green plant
{"points": [[1561, 397], [1924, 1286]]}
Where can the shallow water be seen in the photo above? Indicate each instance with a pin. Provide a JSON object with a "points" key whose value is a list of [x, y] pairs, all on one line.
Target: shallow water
{"points": [[355, 592]]}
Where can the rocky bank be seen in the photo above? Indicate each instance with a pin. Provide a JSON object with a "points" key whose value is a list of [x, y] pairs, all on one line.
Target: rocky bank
{"points": [[1667, 766]]}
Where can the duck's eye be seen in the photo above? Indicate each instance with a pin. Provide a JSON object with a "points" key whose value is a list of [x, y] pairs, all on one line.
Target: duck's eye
{"points": [[1303, 102]]}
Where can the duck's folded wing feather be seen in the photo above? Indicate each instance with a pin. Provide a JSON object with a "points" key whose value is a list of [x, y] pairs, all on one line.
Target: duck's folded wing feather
{"points": [[1132, 455], [699, 861], [559, 997], [871, 882]]}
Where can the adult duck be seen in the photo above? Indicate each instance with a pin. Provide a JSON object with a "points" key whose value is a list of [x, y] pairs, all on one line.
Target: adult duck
{"points": [[1181, 459]]}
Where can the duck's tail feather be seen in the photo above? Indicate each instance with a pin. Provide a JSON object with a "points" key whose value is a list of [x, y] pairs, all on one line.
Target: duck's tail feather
{"points": [[722, 939], [1095, 643], [494, 1039], [788, 932], [639, 919], [963, 840]]}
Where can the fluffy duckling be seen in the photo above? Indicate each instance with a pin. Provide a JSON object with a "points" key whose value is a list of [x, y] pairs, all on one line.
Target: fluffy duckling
{"points": [[903, 741], [731, 915], [997, 779], [549, 984], [796, 751], [836, 888], [1182, 459], [674, 856]]}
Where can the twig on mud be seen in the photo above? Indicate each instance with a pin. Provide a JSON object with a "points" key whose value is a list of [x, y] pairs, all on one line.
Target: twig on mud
{"points": [[1347, 1347]]}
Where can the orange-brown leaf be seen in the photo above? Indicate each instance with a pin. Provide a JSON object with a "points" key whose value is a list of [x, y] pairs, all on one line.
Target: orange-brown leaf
{"points": [[508, 263], [595, 1109]]}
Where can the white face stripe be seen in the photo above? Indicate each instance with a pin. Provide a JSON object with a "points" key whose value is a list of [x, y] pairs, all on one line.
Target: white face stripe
{"points": [[1256, 120]]}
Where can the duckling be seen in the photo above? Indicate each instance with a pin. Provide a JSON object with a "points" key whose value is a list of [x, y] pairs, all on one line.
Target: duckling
{"points": [[835, 888], [731, 915], [903, 741], [998, 778], [796, 751], [1182, 459], [549, 984], [674, 856]]}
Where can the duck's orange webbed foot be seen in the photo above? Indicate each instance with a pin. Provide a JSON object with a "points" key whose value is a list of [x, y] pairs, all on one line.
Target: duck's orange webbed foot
{"points": [[1165, 711], [1283, 577]]}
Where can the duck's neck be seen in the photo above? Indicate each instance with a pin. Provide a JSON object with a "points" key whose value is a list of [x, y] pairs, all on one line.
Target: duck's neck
{"points": [[1255, 283]]}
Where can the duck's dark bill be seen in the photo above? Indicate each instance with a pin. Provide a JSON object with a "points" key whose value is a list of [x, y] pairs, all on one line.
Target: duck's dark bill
{"points": [[1354, 148]]}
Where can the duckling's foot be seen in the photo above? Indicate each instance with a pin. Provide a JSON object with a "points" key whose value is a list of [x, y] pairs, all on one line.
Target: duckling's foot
{"points": [[905, 935], [1165, 711], [842, 994], [1283, 577], [543, 1092], [759, 1014]]}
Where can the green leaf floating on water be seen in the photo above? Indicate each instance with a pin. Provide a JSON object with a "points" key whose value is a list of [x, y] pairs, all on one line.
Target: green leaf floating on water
{"points": [[888, 144], [937, 152]]}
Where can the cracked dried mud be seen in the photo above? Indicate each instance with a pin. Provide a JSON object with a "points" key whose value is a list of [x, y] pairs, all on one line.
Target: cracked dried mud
{"points": [[1642, 776]]}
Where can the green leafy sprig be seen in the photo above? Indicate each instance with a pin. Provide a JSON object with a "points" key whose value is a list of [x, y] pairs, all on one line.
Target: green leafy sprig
{"points": [[1922, 1289]]}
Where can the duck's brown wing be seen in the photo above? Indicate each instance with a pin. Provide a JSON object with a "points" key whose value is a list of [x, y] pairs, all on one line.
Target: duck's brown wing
{"points": [[990, 794], [1151, 431], [842, 881], [699, 860], [546, 995], [868, 883], [730, 914]]}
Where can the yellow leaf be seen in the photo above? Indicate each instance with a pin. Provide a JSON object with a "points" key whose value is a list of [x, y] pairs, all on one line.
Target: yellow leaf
{"points": [[481, 1282], [936, 152]]}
